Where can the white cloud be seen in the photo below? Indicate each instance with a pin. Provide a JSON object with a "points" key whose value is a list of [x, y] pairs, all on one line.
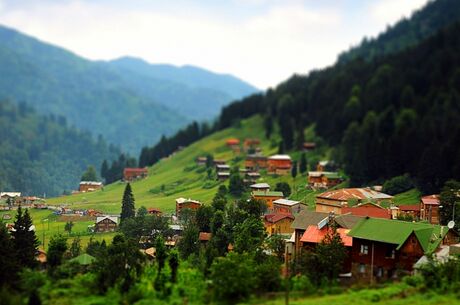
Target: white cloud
{"points": [[390, 11], [264, 48]]}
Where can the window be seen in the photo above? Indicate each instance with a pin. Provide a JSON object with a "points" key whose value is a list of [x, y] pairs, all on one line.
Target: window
{"points": [[379, 272], [390, 253], [362, 268], [364, 249]]}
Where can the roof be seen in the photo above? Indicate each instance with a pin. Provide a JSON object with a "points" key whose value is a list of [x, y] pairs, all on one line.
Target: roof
{"points": [[204, 236], [409, 207], [101, 218], [274, 218], [223, 166], [233, 141], [353, 193], [84, 259], [267, 194], [280, 157], [255, 157], [223, 174], [367, 211], [315, 235], [397, 232], [10, 194], [347, 221], [260, 186], [96, 183], [287, 202], [306, 218], [153, 210], [183, 200], [135, 170], [431, 200]]}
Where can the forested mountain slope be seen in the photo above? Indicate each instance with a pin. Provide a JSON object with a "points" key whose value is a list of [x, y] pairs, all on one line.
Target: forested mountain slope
{"points": [[407, 32], [392, 115], [41, 154], [97, 96], [183, 89]]}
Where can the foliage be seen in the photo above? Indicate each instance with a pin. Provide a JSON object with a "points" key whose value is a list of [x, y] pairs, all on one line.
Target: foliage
{"points": [[68, 226], [189, 243], [249, 235], [127, 204], [397, 185], [75, 247], [450, 199], [90, 174], [284, 188], [25, 241], [203, 218], [56, 249], [253, 207], [50, 163], [303, 164], [236, 186], [9, 265]]}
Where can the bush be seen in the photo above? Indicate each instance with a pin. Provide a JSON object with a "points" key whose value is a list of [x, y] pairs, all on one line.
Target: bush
{"points": [[398, 185], [302, 283]]}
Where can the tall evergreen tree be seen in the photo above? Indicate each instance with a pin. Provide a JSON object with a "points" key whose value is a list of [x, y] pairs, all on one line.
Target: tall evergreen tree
{"points": [[9, 266], [303, 164], [127, 204], [104, 169], [25, 241]]}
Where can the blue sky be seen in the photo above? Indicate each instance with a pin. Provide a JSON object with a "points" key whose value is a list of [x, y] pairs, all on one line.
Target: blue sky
{"points": [[260, 41]]}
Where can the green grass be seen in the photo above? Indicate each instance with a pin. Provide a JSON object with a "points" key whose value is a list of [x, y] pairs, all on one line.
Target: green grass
{"points": [[410, 197]]}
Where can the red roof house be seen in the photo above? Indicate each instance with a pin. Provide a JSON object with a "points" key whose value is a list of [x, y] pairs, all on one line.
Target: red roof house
{"points": [[130, 174]]}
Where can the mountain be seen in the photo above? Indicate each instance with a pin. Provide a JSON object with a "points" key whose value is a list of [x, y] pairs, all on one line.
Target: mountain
{"points": [[103, 98], [183, 89], [386, 116], [407, 32], [42, 154]]}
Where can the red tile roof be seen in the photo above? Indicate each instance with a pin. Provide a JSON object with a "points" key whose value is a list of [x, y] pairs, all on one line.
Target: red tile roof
{"points": [[315, 235], [431, 200], [204, 236], [367, 211], [274, 218], [409, 207]]}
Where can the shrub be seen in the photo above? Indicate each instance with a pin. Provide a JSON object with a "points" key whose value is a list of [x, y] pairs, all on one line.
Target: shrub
{"points": [[398, 185]]}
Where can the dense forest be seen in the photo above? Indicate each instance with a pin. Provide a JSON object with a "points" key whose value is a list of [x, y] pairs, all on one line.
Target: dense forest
{"points": [[42, 154], [386, 116]]}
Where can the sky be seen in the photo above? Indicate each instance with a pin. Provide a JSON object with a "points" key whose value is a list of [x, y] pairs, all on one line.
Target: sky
{"points": [[260, 41]]}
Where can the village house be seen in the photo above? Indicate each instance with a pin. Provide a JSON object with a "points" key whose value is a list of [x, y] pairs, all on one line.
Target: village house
{"points": [[286, 206], [255, 162], [268, 197], [233, 144], [89, 186], [182, 204], [323, 179], [409, 210], [308, 146], [260, 187], [223, 176], [222, 168], [251, 177], [251, 144], [308, 218], [131, 174], [383, 248], [201, 161], [204, 237], [335, 200], [278, 223], [106, 224], [219, 162], [154, 211], [429, 208], [279, 164]]}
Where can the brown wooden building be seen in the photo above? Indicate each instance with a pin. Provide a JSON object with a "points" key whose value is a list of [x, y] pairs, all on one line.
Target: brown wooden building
{"points": [[429, 208], [279, 164], [268, 197], [106, 224], [255, 162], [89, 186], [182, 204], [131, 174]]}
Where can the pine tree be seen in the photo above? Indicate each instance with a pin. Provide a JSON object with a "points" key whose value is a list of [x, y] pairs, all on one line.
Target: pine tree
{"points": [[9, 266], [303, 164], [25, 241], [127, 204], [104, 170]]}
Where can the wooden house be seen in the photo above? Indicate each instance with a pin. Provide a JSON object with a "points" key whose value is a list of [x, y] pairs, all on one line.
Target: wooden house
{"points": [[223, 176], [131, 174], [233, 144], [222, 168], [268, 197], [106, 223], [204, 237], [251, 177], [384, 248], [89, 186], [308, 146], [368, 209], [335, 200], [410, 210], [278, 223], [219, 162], [260, 187], [182, 204], [324, 179], [308, 218], [286, 206], [255, 162], [154, 211], [429, 208], [279, 164]]}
